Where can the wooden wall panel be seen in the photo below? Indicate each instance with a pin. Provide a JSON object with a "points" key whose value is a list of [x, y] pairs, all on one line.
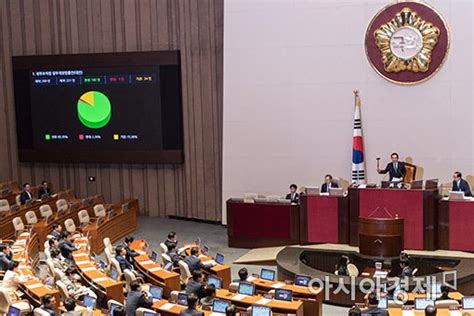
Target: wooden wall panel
{"points": [[193, 190]]}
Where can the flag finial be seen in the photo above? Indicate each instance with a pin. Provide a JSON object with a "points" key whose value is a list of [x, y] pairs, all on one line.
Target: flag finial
{"points": [[356, 92]]}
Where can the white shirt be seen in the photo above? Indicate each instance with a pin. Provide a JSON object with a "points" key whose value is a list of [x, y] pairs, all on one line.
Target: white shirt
{"points": [[11, 280]]}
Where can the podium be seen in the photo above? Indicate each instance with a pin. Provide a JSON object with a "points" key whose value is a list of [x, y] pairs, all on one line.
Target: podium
{"points": [[381, 237]]}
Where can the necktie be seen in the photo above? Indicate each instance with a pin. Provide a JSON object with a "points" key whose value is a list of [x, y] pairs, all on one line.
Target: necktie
{"points": [[395, 166]]}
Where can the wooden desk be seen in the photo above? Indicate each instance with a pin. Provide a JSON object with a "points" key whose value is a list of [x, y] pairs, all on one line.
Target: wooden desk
{"points": [[271, 224], [312, 303], [294, 307], [455, 228], [381, 237], [324, 219]]}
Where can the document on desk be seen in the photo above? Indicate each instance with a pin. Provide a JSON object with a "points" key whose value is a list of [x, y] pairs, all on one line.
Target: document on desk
{"points": [[455, 313], [408, 313], [209, 263], [102, 279], [239, 297], [263, 301], [167, 306], [34, 286], [83, 262], [155, 269], [147, 262], [88, 269], [278, 285]]}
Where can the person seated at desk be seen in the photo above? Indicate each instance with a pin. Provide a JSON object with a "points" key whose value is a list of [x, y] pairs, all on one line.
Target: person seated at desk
{"points": [[121, 257], [13, 279], [407, 271], [67, 247], [444, 293], [243, 275], [341, 267], [195, 285], [58, 261], [25, 195], [459, 184], [191, 310], [57, 231], [5, 257], [53, 244], [70, 305], [75, 289], [396, 169], [208, 300], [372, 306], [172, 240], [193, 262], [173, 254], [44, 190], [130, 252], [328, 184], [355, 311], [231, 310], [430, 310], [48, 304], [136, 298], [293, 196]]}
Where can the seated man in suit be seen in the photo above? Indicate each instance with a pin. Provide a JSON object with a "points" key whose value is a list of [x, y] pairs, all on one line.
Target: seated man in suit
{"points": [[26, 194], [136, 298], [355, 311], [193, 262], [293, 196], [396, 169], [44, 189], [243, 275], [76, 289], [191, 310], [407, 271], [459, 184], [57, 231], [48, 304], [328, 183], [372, 306], [6, 261], [67, 247], [172, 240], [130, 252], [195, 285], [173, 254]]}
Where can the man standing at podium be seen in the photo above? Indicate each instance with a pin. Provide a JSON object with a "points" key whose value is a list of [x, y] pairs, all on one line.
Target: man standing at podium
{"points": [[459, 184], [395, 169]]}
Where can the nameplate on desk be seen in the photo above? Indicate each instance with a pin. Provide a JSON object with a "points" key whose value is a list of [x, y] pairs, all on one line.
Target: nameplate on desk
{"points": [[155, 269], [147, 262], [34, 286], [455, 313], [102, 279], [239, 297], [83, 262], [408, 313], [209, 263], [263, 301], [278, 285], [167, 306], [88, 269], [251, 278]]}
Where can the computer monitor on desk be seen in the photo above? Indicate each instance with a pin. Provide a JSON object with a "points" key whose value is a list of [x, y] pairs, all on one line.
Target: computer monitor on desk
{"points": [[431, 184], [246, 288], [468, 302], [456, 195], [261, 310], [417, 184]]}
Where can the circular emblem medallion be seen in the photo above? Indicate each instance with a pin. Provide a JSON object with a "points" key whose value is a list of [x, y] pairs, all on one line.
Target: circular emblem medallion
{"points": [[407, 42]]}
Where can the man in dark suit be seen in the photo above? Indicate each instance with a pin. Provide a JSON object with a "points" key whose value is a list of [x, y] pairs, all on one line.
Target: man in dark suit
{"points": [[67, 247], [44, 189], [172, 239], [407, 271], [328, 184], [130, 252], [243, 275], [26, 194], [136, 299], [459, 184], [193, 262], [372, 306], [293, 196], [173, 254], [57, 231], [48, 305], [395, 169], [6, 261], [195, 285], [121, 257], [191, 310]]}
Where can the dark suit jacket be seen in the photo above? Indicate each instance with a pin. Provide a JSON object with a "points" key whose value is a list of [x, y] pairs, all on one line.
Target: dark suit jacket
{"points": [[130, 254], [399, 173], [5, 262], [295, 199], [196, 288], [174, 257], [56, 234], [168, 243], [124, 264], [66, 248], [406, 272], [50, 311], [375, 311], [25, 197], [136, 300], [43, 191], [463, 186], [193, 263], [190, 312], [324, 187]]}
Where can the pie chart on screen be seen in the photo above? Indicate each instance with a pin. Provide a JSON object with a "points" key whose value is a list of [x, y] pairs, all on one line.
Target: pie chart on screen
{"points": [[94, 109]]}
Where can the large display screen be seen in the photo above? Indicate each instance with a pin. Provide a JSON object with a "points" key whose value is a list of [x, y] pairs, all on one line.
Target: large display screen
{"points": [[118, 107]]}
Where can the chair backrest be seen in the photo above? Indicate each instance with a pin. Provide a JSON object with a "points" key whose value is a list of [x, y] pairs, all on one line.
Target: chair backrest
{"points": [[234, 287], [5, 301], [83, 217], [50, 264], [31, 218], [69, 225], [114, 263], [410, 172], [414, 272], [165, 257], [108, 244], [99, 210], [4, 206], [46, 211], [46, 244], [39, 312], [129, 277], [47, 253], [62, 289], [446, 303], [141, 311], [352, 270], [61, 205], [18, 200], [18, 224], [108, 255], [184, 272], [58, 274], [110, 302], [163, 248]]}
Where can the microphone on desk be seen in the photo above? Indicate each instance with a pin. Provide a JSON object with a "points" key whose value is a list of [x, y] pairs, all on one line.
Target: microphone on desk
{"points": [[378, 163]]}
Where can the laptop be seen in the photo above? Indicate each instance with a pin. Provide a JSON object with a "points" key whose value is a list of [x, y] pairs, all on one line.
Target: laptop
{"points": [[216, 281], [302, 280], [431, 184], [154, 256], [89, 302], [156, 292], [101, 265], [13, 311], [113, 306], [261, 311], [336, 191], [183, 299], [417, 184], [205, 250], [456, 195], [283, 295], [113, 274], [468, 302], [246, 289], [422, 303], [267, 274], [219, 258], [219, 306], [383, 303]]}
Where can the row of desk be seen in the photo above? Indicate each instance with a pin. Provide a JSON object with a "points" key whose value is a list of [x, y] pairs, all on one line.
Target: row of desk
{"points": [[430, 222]]}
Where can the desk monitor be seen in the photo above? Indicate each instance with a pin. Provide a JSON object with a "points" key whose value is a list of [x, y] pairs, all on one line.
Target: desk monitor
{"points": [[212, 279], [13, 311], [468, 302], [261, 310], [456, 195], [431, 184], [154, 256], [246, 288], [283, 295], [383, 303], [422, 303], [267, 274], [183, 299], [219, 306], [156, 292], [205, 250], [89, 301], [302, 280], [336, 191], [417, 184], [219, 258], [113, 274]]}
